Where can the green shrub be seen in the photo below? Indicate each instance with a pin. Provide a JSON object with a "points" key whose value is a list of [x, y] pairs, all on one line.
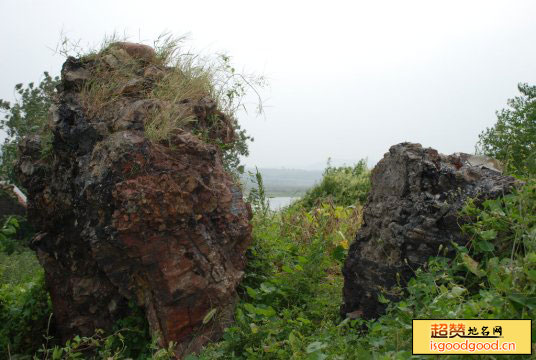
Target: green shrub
{"points": [[513, 137], [8, 240], [132, 335], [292, 287], [24, 313], [101, 346], [345, 186], [27, 116]]}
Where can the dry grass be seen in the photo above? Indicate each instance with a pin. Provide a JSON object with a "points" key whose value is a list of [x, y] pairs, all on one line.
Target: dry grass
{"points": [[185, 79], [163, 121]]}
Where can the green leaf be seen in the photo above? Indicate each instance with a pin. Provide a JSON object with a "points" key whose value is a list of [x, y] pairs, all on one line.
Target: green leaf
{"points": [[531, 274], [486, 246], [267, 312], [526, 300], [339, 253], [267, 287], [472, 265], [382, 299], [209, 316], [56, 353], [488, 234], [287, 269], [250, 308], [316, 356], [457, 291], [315, 346], [294, 340], [251, 292]]}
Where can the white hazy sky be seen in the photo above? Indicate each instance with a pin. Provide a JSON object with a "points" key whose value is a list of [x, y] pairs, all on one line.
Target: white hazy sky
{"points": [[348, 79]]}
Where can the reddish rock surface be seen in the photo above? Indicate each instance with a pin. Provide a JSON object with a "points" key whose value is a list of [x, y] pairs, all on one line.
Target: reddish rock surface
{"points": [[121, 218]]}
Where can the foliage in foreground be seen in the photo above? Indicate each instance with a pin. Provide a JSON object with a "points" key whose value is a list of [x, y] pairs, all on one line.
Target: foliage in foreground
{"points": [[513, 137], [24, 304], [292, 290], [302, 322]]}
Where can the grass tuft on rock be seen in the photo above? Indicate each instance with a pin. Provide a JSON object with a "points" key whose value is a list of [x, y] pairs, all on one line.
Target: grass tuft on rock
{"points": [[174, 80]]}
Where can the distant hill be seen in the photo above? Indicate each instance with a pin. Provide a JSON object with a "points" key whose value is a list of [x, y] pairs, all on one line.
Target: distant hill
{"points": [[285, 182]]}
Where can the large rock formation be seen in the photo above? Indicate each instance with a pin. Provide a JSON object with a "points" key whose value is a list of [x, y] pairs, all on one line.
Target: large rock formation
{"points": [[124, 219], [411, 211]]}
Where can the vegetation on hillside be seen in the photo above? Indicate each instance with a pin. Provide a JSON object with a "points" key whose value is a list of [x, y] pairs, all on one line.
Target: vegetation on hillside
{"points": [[344, 185]]}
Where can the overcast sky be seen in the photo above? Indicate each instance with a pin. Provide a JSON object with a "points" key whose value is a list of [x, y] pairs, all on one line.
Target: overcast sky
{"points": [[347, 79]]}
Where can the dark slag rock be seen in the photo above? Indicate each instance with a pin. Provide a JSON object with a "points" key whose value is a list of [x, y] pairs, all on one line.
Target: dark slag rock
{"points": [[411, 211]]}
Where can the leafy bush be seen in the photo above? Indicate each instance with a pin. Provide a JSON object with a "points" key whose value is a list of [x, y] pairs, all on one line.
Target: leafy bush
{"points": [[8, 241], [513, 138], [28, 115], [345, 186], [24, 303], [24, 312]]}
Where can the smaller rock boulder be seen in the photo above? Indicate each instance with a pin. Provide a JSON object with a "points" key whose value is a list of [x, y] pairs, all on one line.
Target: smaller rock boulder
{"points": [[411, 212]]}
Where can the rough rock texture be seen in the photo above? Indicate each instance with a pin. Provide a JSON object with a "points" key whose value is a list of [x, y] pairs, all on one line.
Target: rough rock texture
{"points": [[411, 210], [121, 218]]}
